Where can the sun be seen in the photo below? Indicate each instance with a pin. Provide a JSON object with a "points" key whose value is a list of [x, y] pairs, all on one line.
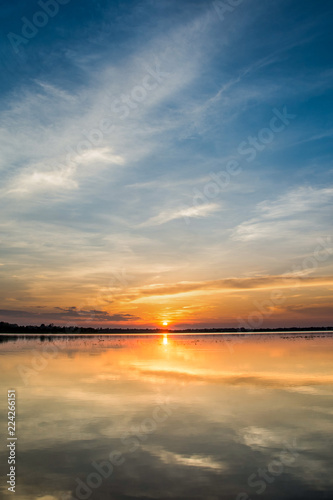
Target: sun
{"points": [[165, 323]]}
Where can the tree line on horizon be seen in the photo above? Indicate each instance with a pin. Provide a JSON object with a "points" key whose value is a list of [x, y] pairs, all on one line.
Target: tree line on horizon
{"points": [[54, 329]]}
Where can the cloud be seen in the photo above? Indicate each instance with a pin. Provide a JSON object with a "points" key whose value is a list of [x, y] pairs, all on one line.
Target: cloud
{"points": [[17, 313], [36, 179], [281, 217], [68, 314], [96, 315], [302, 199], [53, 176], [183, 213], [44, 120], [231, 284], [323, 310]]}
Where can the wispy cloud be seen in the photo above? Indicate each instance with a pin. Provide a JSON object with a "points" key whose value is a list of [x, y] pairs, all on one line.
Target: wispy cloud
{"points": [[285, 215], [229, 285], [183, 213]]}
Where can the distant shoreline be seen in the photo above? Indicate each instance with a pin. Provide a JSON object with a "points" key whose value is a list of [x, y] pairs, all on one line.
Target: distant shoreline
{"points": [[52, 330]]}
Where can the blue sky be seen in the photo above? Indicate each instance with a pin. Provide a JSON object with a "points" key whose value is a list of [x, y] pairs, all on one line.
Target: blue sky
{"points": [[114, 117]]}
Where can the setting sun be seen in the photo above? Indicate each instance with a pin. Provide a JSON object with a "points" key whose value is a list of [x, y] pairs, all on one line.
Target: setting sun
{"points": [[165, 323]]}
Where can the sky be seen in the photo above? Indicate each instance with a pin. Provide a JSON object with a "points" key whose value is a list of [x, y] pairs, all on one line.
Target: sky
{"points": [[166, 161]]}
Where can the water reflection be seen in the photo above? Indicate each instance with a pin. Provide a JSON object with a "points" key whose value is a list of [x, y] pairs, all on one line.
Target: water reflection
{"points": [[210, 417]]}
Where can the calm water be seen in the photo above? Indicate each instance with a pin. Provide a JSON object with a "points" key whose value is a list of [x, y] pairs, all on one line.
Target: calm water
{"points": [[177, 417]]}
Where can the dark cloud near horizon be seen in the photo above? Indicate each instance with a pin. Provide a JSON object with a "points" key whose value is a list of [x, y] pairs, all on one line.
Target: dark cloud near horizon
{"points": [[69, 313]]}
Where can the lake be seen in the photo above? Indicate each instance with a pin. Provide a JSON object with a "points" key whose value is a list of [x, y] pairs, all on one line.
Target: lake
{"points": [[183, 417]]}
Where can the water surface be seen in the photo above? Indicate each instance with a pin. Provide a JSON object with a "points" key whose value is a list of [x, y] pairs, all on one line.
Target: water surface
{"points": [[171, 417]]}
